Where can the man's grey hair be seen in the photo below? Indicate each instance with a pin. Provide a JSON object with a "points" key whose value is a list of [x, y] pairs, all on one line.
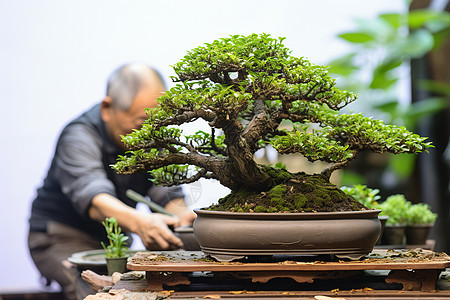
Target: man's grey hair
{"points": [[125, 82]]}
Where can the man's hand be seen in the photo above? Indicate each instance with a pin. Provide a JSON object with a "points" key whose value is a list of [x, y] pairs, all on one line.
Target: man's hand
{"points": [[185, 215], [152, 228], [186, 218], [155, 233]]}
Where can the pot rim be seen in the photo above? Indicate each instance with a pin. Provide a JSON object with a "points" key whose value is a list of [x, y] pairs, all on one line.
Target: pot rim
{"points": [[359, 214]]}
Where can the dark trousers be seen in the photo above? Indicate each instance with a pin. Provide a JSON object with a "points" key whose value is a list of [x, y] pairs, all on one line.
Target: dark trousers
{"points": [[49, 249]]}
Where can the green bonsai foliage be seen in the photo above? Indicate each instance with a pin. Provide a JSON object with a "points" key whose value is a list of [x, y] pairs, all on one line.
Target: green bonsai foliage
{"points": [[117, 246], [244, 87], [420, 213]]}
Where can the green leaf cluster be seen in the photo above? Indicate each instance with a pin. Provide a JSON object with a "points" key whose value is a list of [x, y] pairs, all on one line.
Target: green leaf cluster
{"points": [[341, 135], [254, 53], [169, 175], [420, 213], [312, 145], [117, 246], [151, 136], [380, 48], [396, 207], [136, 160], [238, 69], [402, 211], [206, 143], [367, 196], [398, 37]]}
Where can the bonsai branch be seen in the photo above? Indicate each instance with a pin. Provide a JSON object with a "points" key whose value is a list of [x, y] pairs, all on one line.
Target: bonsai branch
{"points": [[186, 116], [202, 173], [213, 143], [336, 166]]}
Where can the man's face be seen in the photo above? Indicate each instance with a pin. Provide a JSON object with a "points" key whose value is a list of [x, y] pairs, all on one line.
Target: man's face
{"points": [[120, 122]]}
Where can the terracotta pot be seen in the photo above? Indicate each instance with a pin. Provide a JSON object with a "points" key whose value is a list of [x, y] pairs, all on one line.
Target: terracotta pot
{"points": [[393, 235], [116, 264], [417, 234], [227, 235]]}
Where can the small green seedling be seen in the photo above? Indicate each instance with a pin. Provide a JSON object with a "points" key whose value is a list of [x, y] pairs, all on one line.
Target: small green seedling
{"points": [[117, 246]]}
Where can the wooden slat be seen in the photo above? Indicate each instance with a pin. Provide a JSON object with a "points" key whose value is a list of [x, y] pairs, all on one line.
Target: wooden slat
{"points": [[183, 261]]}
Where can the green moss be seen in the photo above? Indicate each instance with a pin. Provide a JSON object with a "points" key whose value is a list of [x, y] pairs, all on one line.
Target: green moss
{"points": [[276, 202], [308, 187], [276, 195], [300, 202], [355, 206], [260, 209], [299, 193], [279, 207], [272, 210], [277, 191], [278, 175]]}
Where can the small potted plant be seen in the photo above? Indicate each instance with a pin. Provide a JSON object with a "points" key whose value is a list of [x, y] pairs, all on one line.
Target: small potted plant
{"points": [[116, 251], [395, 207], [420, 220]]}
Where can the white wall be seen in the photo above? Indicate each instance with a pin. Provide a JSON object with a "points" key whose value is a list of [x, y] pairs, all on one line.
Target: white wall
{"points": [[56, 55]]}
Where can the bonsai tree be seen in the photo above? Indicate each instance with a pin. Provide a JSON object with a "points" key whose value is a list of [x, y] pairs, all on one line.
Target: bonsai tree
{"points": [[244, 87]]}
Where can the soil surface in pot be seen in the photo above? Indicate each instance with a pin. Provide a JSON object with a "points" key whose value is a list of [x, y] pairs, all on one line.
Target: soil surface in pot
{"points": [[301, 193]]}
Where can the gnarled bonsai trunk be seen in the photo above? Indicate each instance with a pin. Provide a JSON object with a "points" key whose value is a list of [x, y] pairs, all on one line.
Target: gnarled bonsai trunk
{"points": [[244, 171]]}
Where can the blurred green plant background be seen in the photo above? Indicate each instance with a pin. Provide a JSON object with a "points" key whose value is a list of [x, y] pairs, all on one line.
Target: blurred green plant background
{"points": [[376, 67]]}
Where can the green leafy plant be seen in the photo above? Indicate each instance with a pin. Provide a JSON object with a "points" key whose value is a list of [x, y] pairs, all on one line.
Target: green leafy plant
{"points": [[420, 213], [117, 246], [367, 196], [244, 87], [396, 207]]}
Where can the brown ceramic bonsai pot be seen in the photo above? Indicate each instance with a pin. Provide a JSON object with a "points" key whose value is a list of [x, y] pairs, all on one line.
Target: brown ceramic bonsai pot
{"points": [[228, 235]]}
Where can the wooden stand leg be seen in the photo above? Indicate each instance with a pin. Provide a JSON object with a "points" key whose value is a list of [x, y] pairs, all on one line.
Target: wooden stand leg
{"points": [[156, 280], [414, 280]]}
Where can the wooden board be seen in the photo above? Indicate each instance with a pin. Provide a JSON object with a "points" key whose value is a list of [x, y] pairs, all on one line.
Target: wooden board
{"points": [[187, 261], [415, 269]]}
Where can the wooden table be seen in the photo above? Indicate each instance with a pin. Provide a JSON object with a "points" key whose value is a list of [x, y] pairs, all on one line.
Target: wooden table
{"points": [[416, 269]]}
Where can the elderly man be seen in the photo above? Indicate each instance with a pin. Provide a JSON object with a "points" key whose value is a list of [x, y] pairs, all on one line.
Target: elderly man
{"points": [[81, 189]]}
